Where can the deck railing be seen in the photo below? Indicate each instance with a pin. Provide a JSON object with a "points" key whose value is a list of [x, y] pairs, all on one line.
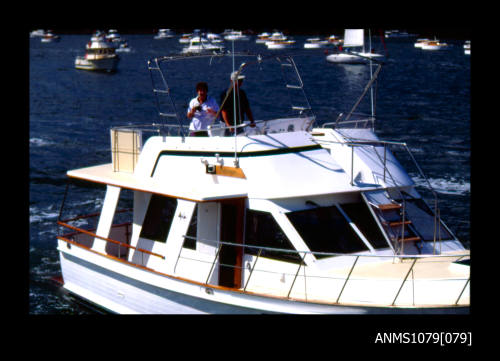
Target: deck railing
{"points": [[85, 237], [403, 275]]}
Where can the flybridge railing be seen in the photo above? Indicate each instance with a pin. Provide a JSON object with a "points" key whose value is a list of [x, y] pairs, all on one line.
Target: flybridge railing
{"points": [[162, 90]]}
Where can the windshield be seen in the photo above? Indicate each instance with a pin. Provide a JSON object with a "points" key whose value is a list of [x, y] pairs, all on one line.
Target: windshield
{"points": [[324, 229]]}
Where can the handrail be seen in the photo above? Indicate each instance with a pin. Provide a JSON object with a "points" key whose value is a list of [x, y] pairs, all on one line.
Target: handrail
{"points": [[384, 143], [345, 278], [400, 256], [105, 239]]}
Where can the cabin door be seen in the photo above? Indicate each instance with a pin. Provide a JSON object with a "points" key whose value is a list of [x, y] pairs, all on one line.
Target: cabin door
{"points": [[230, 257]]}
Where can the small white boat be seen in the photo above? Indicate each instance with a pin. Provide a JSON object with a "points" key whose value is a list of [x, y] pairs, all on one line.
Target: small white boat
{"points": [[50, 37], [99, 56], [280, 218], [397, 34], [98, 35], [467, 47], [335, 40], [280, 44], [236, 36], [164, 34], [185, 38], [214, 38], [113, 36], [315, 43], [278, 40], [420, 42], [353, 39], [37, 33], [201, 45], [262, 38], [123, 48], [434, 45]]}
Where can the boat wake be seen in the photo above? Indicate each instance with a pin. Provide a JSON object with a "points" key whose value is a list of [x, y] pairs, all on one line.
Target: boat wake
{"points": [[445, 186]]}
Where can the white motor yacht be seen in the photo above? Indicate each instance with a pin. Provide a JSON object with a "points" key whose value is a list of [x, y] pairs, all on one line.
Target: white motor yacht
{"points": [[185, 38], [262, 38], [236, 36], [281, 217], [420, 42], [315, 43], [467, 47], [201, 45], [214, 38], [335, 40], [278, 40], [164, 34], [433, 45], [50, 37], [99, 56], [37, 33]]}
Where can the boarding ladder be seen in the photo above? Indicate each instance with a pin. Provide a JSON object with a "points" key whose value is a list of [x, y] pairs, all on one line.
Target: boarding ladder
{"points": [[294, 84]]}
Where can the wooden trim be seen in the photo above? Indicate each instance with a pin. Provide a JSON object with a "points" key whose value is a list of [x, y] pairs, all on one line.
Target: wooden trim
{"points": [[229, 171], [214, 199], [103, 238]]}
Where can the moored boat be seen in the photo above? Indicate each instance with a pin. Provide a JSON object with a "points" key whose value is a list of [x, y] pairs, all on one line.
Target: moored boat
{"points": [[281, 217], [315, 43], [433, 45], [50, 37], [99, 56], [420, 42], [467, 47], [353, 39], [201, 45], [164, 34], [236, 35]]}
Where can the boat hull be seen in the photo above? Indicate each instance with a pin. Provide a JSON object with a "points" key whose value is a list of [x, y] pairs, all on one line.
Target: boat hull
{"points": [[343, 58], [106, 64], [139, 291]]}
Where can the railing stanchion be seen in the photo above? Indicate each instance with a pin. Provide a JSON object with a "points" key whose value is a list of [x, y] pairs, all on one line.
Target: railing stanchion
{"points": [[347, 279]]}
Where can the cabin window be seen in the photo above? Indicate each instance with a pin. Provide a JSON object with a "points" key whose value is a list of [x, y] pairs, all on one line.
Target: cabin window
{"points": [[192, 231], [158, 218], [262, 230], [364, 220], [324, 229]]}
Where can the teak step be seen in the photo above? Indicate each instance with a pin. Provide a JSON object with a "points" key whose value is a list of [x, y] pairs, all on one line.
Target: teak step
{"points": [[394, 224], [409, 239], [388, 207]]}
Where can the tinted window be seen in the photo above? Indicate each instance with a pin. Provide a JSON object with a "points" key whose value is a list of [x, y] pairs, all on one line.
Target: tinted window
{"points": [[158, 218], [262, 230], [324, 229], [362, 217]]}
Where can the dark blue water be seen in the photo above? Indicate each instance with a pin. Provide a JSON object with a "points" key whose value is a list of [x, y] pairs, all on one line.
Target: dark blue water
{"points": [[423, 99]]}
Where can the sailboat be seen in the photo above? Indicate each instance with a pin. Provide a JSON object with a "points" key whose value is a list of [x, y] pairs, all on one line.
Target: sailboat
{"points": [[353, 38]]}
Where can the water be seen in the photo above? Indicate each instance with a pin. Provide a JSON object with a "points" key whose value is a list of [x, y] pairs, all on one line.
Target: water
{"points": [[423, 99]]}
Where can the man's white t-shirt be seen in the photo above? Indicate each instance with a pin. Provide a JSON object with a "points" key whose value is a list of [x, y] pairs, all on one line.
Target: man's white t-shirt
{"points": [[202, 119]]}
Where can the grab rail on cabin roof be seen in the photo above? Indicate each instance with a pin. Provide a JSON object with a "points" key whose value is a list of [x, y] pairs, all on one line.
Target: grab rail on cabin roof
{"points": [[373, 143]]}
